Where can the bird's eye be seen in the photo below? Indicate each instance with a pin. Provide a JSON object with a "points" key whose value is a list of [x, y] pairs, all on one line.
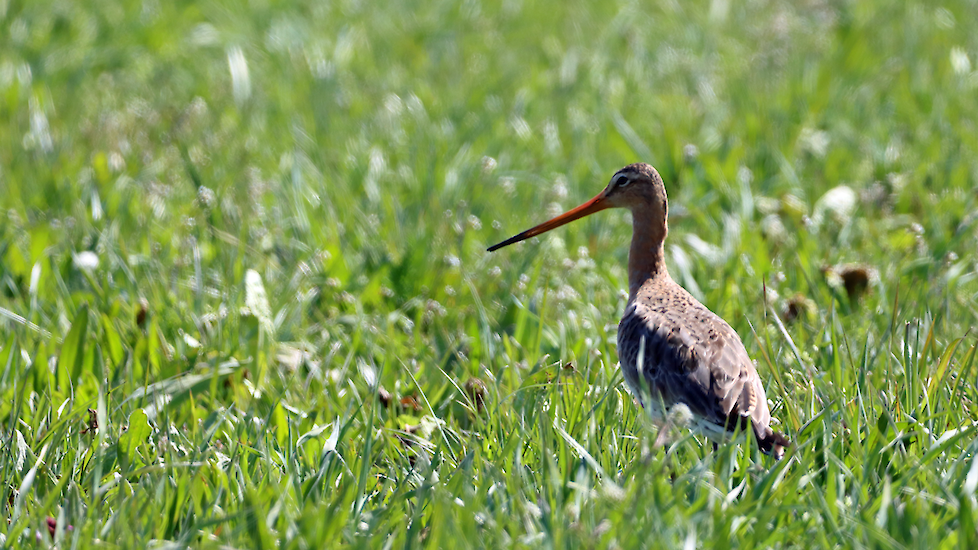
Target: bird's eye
{"points": [[622, 181]]}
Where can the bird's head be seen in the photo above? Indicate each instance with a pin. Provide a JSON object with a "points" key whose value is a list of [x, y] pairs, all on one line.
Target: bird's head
{"points": [[637, 187]]}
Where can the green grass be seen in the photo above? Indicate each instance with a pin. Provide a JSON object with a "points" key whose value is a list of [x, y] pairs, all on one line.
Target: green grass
{"points": [[286, 336]]}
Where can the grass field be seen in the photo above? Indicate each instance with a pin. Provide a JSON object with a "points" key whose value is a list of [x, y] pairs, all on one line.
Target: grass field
{"points": [[245, 299]]}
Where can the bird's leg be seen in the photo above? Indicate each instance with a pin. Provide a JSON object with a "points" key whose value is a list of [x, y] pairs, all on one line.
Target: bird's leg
{"points": [[663, 436]]}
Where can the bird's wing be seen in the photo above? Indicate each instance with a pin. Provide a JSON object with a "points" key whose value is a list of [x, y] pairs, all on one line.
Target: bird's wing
{"points": [[697, 360]]}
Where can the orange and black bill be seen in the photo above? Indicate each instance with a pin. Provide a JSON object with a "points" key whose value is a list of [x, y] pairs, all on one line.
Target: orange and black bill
{"points": [[596, 204]]}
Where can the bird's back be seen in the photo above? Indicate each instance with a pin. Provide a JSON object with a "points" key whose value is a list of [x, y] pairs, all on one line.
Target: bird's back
{"points": [[673, 350]]}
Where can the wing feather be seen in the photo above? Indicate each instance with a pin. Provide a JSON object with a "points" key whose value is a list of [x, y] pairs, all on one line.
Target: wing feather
{"points": [[694, 357]]}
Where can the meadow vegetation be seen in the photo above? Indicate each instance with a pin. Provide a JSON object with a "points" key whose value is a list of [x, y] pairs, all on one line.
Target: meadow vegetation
{"points": [[245, 299]]}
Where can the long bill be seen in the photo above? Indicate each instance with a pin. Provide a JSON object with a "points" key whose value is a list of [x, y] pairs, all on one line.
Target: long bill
{"points": [[596, 204]]}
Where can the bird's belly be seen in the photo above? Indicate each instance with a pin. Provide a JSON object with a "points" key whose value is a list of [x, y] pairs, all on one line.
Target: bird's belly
{"points": [[644, 389], [653, 403], [645, 381]]}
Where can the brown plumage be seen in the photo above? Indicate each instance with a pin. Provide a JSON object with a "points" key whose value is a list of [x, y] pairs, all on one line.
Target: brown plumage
{"points": [[671, 348]]}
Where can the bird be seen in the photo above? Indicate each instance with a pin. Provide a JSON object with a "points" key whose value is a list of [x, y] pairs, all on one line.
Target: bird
{"points": [[675, 354]]}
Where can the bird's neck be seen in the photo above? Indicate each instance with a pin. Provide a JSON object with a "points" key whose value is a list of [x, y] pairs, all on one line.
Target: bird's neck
{"points": [[646, 258]]}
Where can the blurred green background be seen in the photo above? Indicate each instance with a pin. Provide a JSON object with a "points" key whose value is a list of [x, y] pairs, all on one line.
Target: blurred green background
{"points": [[245, 298]]}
